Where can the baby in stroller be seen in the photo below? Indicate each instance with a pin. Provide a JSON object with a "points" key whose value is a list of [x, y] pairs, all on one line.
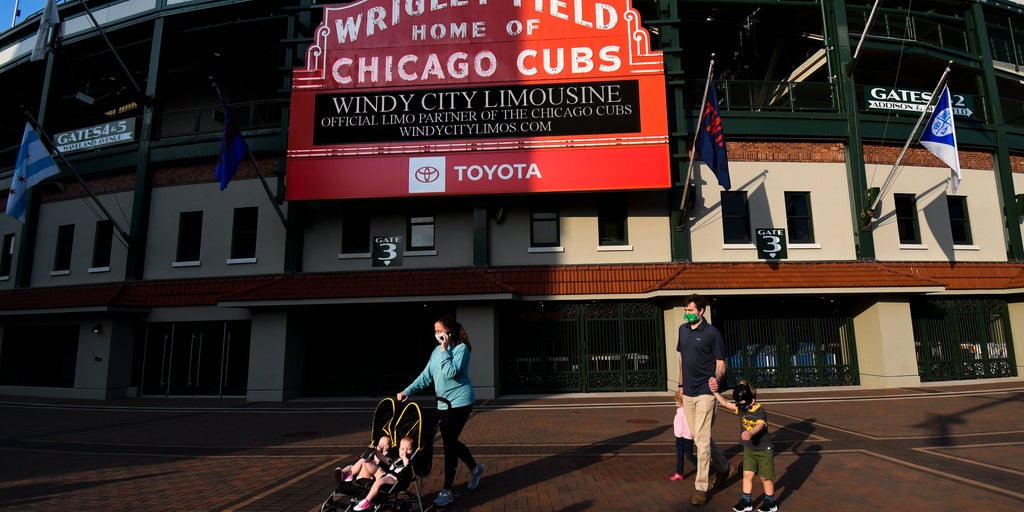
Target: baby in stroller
{"points": [[390, 475], [368, 464], [382, 476]]}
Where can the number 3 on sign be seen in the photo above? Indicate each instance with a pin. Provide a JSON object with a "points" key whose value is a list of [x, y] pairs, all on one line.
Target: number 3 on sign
{"points": [[387, 251], [771, 243]]}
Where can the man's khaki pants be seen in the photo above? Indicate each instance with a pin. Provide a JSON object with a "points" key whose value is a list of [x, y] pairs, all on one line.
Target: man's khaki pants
{"points": [[700, 415]]}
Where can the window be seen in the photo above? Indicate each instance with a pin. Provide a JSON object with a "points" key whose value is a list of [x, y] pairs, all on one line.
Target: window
{"points": [[959, 224], [906, 218], [102, 243], [421, 232], [65, 242], [6, 255], [190, 234], [798, 218], [544, 226], [611, 220], [735, 218], [243, 233], [355, 231]]}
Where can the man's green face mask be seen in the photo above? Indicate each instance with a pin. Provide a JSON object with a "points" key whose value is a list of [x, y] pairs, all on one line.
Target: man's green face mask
{"points": [[691, 318]]}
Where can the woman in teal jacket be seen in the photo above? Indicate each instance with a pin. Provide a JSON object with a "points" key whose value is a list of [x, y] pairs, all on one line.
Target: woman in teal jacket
{"points": [[448, 371]]}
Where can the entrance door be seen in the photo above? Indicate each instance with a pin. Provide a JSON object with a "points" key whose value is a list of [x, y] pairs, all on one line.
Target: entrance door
{"points": [[196, 359]]}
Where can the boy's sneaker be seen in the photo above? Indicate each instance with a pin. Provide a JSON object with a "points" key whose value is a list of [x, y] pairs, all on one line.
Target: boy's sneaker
{"points": [[474, 476], [363, 505], [443, 498], [743, 506], [676, 477], [768, 506]]}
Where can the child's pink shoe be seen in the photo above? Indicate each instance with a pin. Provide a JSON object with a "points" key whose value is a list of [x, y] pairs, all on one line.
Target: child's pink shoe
{"points": [[676, 477]]}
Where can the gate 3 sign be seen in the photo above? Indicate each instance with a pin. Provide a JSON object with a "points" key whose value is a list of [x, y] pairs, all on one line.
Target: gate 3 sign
{"points": [[771, 243], [496, 96]]}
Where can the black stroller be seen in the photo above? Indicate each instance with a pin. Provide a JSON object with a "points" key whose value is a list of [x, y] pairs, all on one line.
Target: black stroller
{"points": [[406, 494]]}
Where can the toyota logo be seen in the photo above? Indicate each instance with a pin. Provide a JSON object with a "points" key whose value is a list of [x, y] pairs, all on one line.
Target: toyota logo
{"points": [[427, 174]]}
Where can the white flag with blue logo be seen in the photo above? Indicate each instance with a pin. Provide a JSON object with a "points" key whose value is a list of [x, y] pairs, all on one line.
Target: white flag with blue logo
{"points": [[940, 136], [34, 164]]}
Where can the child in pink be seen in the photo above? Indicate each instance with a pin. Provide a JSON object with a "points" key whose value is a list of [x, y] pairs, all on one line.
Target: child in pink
{"points": [[684, 440]]}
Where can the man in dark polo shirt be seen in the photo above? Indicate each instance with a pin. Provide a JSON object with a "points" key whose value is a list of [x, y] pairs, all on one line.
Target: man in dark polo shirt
{"points": [[701, 356]]}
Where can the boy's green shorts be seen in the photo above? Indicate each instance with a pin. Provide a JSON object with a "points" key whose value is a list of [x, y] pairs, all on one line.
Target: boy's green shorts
{"points": [[761, 462]]}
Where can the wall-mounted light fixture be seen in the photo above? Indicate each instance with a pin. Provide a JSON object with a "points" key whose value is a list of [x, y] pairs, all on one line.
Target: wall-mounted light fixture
{"points": [[97, 329]]}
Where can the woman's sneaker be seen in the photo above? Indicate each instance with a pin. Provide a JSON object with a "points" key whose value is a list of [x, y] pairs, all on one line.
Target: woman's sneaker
{"points": [[474, 476], [443, 498]]}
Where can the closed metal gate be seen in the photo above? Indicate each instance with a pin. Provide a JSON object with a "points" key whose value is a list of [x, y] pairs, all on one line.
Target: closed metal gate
{"points": [[962, 339], [571, 347], [790, 352]]}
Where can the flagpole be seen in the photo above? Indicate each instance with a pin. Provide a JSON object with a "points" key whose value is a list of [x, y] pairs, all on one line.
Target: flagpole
{"points": [[259, 172], [50, 145], [117, 57], [867, 27], [924, 113], [14, 18], [693, 151]]}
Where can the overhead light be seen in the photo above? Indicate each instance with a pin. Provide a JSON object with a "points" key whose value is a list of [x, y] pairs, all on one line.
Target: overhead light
{"points": [[85, 98], [97, 329]]}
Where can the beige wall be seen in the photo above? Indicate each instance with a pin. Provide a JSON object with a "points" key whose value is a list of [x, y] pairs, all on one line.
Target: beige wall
{"points": [[83, 213], [1017, 333], [885, 346], [481, 322], [989, 242], [218, 209], [766, 184]]}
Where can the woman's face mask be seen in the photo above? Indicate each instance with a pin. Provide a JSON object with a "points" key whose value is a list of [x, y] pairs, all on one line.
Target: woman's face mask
{"points": [[441, 337]]}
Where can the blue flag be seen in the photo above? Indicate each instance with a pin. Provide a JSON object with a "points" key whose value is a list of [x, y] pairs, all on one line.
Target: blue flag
{"points": [[34, 164], [710, 143], [232, 149], [940, 136]]}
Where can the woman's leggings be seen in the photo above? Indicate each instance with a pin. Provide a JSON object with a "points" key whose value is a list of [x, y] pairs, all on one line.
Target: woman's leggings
{"points": [[452, 421]]}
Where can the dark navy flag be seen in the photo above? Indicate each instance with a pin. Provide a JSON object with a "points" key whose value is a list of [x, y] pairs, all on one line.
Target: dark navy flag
{"points": [[710, 143], [232, 150], [940, 136]]}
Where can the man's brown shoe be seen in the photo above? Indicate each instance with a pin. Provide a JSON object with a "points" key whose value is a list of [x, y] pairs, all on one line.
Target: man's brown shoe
{"points": [[699, 498]]}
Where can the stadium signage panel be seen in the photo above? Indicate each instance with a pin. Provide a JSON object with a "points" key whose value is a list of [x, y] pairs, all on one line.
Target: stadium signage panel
{"points": [[911, 100], [106, 134], [510, 96]]}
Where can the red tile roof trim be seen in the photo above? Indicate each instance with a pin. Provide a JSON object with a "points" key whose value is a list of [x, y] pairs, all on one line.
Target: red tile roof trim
{"points": [[511, 282]]}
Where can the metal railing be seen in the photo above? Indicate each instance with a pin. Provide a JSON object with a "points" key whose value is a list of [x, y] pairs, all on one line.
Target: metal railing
{"points": [[206, 120], [917, 29]]}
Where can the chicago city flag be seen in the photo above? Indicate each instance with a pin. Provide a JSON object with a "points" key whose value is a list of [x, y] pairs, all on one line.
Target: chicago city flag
{"points": [[940, 136], [34, 164]]}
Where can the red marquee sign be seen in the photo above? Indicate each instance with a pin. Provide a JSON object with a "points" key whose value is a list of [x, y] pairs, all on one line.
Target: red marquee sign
{"points": [[463, 97]]}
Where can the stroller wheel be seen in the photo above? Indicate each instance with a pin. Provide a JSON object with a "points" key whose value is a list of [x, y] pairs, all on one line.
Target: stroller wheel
{"points": [[331, 504]]}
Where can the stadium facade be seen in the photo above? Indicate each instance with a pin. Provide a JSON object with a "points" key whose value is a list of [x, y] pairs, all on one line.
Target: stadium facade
{"points": [[523, 166]]}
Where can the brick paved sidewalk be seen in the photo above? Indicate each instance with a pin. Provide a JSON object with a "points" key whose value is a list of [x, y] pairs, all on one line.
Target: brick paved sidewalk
{"points": [[934, 448]]}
